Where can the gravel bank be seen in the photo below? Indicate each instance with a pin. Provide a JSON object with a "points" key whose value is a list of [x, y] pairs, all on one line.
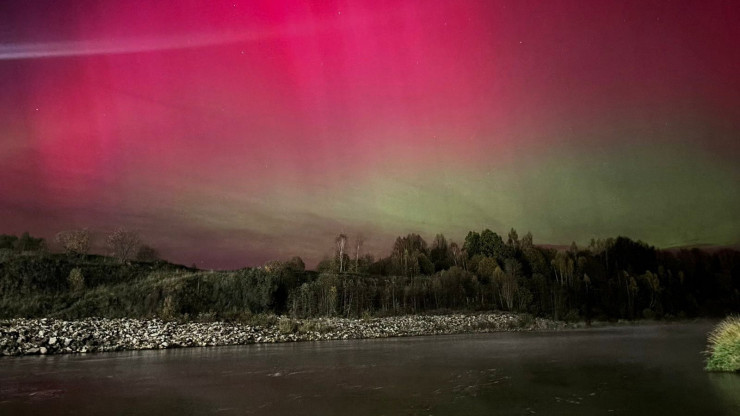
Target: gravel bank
{"points": [[50, 336]]}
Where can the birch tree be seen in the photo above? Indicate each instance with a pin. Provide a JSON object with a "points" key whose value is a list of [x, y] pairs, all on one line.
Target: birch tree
{"points": [[359, 241], [340, 242]]}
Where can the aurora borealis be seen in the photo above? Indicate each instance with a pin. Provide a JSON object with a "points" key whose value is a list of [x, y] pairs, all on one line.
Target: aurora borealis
{"points": [[230, 133]]}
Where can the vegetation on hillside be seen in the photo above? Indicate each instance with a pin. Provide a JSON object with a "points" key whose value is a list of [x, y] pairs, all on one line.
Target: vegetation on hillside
{"points": [[610, 279]]}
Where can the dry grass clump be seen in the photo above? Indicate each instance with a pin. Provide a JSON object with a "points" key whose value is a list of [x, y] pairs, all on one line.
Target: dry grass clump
{"points": [[724, 346]]}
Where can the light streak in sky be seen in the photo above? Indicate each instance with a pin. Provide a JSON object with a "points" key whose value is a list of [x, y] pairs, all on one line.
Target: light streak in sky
{"points": [[132, 45]]}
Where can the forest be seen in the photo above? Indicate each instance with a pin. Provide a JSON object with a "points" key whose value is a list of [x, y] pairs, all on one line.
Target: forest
{"points": [[610, 279]]}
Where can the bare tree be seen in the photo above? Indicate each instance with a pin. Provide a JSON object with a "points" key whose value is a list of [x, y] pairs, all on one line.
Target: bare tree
{"points": [[359, 241], [74, 241], [341, 241], [124, 244], [563, 267]]}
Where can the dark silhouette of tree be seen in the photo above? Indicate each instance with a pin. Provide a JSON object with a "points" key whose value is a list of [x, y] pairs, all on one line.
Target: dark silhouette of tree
{"points": [[492, 245], [28, 243], [8, 242], [472, 244], [297, 265], [147, 253], [513, 240], [440, 254]]}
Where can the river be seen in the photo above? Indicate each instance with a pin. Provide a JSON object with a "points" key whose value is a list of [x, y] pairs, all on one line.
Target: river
{"points": [[630, 370]]}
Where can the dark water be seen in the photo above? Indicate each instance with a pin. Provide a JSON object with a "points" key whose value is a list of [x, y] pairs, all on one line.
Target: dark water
{"points": [[651, 370]]}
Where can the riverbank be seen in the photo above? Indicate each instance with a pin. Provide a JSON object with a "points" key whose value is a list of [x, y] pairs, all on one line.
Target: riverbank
{"points": [[51, 336]]}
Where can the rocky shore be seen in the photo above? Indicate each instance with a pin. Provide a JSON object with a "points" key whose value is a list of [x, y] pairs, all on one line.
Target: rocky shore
{"points": [[51, 336]]}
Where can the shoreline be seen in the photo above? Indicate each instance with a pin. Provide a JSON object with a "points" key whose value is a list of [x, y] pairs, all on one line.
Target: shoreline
{"points": [[46, 336]]}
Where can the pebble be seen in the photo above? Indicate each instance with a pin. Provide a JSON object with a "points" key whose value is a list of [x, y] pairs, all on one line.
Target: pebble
{"points": [[102, 334]]}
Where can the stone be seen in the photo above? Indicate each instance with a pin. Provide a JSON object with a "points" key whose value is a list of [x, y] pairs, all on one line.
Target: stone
{"points": [[52, 340]]}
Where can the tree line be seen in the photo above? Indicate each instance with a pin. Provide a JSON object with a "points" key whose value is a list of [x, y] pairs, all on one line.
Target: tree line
{"points": [[123, 244], [614, 278]]}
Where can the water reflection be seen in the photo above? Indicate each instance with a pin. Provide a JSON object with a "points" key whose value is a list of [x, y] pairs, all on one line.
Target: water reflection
{"points": [[631, 370], [727, 387]]}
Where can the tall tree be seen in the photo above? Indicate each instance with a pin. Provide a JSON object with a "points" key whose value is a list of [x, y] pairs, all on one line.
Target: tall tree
{"points": [[472, 244], [564, 268], [340, 242], [359, 241], [492, 245], [409, 256], [439, 255], [527, 242], [509, 283], [456, 254], [486, 268], [513, 240]]}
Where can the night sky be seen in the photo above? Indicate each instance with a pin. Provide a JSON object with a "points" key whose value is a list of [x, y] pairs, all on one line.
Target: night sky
{"points": [[231, 133]]}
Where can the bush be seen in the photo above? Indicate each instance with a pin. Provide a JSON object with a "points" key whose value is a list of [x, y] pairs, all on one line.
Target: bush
{"points": [[287, 326], [76, 280], [168, 311], [724, 346], [527, 321], [74, 242]]}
